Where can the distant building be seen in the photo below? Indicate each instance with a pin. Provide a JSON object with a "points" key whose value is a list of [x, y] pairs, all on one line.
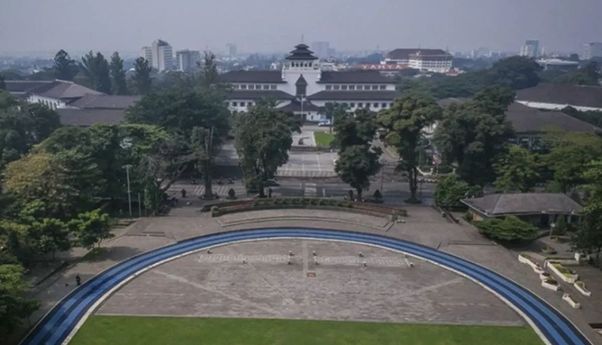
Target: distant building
{"points": [[426, 60], [187, 60], [558, 64], [232, 49], [160, 55], [54, 94], [302, 87], [593, 50], [97, 109], [539, 209], [559, 96], [147, 54], [530, 49]]}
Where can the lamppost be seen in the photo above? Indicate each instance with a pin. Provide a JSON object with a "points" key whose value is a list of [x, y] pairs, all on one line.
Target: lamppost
{"points": [[127, 175]]}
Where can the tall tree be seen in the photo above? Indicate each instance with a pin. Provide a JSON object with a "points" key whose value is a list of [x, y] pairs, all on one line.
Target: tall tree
{"points": [[96, 69], [404, 123], [118, 83], [64, 67], [351, 129], [142, 76], [263, 138], [14, 306], [356, 164], [473, 134], [588, 237], [517, 170]]}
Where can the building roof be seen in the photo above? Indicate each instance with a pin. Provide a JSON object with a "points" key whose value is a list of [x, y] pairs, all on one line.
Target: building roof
{"points": [[105, 102], [273, 77], [565, 94], [301, 81], [301, 52], [89, 117], [64, 90], [22, 87], [523, 204], [353, 96], [295, 106], [259, 94], [404, 53], [530, 120], [358, 76]]}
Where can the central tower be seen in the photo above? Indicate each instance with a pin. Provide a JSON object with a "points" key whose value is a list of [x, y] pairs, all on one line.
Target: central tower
{"points": [[301, 63]]}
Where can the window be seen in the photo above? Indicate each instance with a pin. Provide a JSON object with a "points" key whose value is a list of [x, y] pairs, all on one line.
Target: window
{"points": [[243, 86], [375, 105], [242, 104], [257, 87], [251, 87], [384, 105], [352, 105], [336, 87], [374, 87], [235, 104], [328, 87], [351, 87], [250, 104], [273, 86], [343, 87], [360, 105], [266, 87], [366, 87], [345, 105], [383, 87]]}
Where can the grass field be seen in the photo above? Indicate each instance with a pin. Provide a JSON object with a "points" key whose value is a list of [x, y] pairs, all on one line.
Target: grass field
{"points": [[116, 330], [323, 139]]}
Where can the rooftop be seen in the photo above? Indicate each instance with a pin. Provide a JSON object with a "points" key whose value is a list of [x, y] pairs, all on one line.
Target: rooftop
{"points": [[523, 204], [564, 94], [273, 77], [404, 53], [358, 76], [258, 94], [103, 101], [301, 52], [353, 96], [530, 120], [58, 89]]}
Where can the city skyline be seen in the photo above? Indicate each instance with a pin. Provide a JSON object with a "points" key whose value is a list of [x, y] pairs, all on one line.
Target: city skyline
{"points": [[266, 26]]}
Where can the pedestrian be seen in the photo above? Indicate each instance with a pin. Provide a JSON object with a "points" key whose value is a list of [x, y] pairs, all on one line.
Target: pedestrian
{"points": [[78, 280], [270, 193], [183, 192]]}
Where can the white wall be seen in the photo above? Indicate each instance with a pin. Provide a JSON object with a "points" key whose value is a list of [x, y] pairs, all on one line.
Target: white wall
{"points": [[553, 106], [51, 103]]}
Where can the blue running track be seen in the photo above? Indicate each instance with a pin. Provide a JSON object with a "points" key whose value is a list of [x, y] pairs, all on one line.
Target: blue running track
{"points": [[55, 327]]}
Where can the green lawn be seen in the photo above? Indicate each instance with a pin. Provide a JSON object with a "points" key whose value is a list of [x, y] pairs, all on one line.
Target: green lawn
{"points": [[115, 330], [323, 139]]}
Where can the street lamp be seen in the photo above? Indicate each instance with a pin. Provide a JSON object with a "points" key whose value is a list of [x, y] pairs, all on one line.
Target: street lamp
{"points": [[127, 168]]}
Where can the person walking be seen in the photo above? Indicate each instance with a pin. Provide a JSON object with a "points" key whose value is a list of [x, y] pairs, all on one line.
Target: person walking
{"points": [[78, 280]]}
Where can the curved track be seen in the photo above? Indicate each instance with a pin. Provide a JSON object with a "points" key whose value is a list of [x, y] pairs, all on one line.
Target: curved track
{"points": [[59, 323]]}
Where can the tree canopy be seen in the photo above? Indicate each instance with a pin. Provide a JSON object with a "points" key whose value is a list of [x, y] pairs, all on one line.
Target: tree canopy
{"points": [[142, 76], [64, 66], [118, 82], [96, 69], [517, 170]]}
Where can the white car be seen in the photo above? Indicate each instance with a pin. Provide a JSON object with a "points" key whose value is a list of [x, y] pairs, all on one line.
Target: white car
{"points": [[324, 123]]}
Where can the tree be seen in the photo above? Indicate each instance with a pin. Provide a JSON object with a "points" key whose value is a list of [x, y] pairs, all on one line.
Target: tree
{"points": [[2, 83], [507, 229], [96, 69], [515, 72], [569, 154], [355, 165], [142, 79], [473, 134], [263, 138], [450, 190], [404, 123], [64, 67], [517, 170], [588, 237], [14, 306], [49, 235], [118, 83], [91, 228], [354, 129]]}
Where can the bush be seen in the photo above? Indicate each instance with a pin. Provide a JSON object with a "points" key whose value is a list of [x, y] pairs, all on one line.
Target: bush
{"points": [[508, 229], [450, 190], [377, 194], [231, 194]]}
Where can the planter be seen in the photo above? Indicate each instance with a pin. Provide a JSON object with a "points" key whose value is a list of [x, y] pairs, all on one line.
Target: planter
{"points": [[527, 260], [580, 286], [566, 297], [562, 272], [550, 284], [544, 276]]}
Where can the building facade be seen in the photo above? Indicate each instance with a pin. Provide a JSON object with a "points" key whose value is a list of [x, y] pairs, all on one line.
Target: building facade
{"points": [[304, 88], [159, 55], [188, 60], [530, 49], [425, 60]]}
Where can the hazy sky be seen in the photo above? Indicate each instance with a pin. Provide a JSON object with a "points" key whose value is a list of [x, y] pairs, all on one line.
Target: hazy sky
{"points": [[276, 25]]}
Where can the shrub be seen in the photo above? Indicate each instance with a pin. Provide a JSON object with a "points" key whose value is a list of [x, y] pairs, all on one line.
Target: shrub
{"points": [[231, 194], [215, 211], [377, 194], [507, 229]]}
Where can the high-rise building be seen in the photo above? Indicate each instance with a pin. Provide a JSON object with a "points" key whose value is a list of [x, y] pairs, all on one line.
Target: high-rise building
{"points": [[321, 49], [232, 49], [147, 54], [161, 55], [593, 50], [187, 60], [530, 49]]}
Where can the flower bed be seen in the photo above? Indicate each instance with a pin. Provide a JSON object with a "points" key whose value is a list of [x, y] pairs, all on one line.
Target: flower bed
{"points": [[528, 260], [566, 297], [562, 272], [550, 284], [305, 203], [580, 286]]}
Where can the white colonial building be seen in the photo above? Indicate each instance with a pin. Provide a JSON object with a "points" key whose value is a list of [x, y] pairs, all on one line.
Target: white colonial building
{"points": [[303, 87], [426, 60]]}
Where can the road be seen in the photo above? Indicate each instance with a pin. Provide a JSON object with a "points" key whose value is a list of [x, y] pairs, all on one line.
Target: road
{"points": [[62, 322]]}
